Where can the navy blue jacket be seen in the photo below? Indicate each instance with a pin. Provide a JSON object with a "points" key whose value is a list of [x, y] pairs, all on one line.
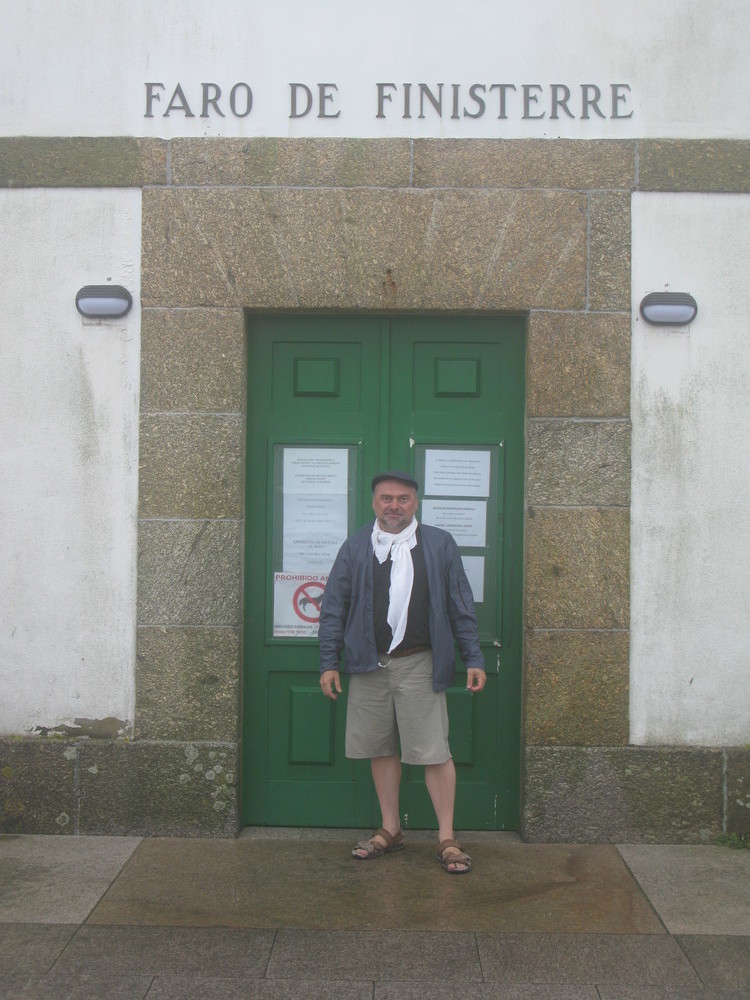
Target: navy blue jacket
{"points": [[346, 614]]}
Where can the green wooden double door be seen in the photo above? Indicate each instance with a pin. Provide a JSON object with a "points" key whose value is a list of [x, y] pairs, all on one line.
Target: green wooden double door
{"points": [[332, 401]]}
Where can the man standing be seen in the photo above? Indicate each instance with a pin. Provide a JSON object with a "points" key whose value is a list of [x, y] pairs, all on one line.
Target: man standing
{"points": [[396, 599]]}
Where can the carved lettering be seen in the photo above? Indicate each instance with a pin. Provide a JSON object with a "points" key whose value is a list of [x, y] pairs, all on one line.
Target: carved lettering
{"points": [[474, 95], [178, 102], [211, 95], [435, 100], [302, 100], [502, 89], [240, 100], [457, 101], [324, 97], [295, 89], [384, 96], [590, 97], [618, 98], [152, 95], [560, 98], [528, 101]]}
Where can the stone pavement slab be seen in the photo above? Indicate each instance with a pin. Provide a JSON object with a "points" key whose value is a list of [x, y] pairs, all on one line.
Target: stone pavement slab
{"points": [[669, 993], [720, 961], [32, 948], [198, 951], [84, 987], [534, 991], [57, 880], [694, 889], [482, 991], [638, 959], [376, 955], [316, 884], [165, 988], [290, 915]]}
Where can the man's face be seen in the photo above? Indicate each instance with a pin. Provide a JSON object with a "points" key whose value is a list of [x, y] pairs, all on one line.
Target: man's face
{"points": [[394, 504]]}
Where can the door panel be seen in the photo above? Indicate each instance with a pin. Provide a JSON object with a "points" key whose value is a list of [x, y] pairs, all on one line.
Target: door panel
{"points": [[311, 382], [422, 394], [458, 390]]}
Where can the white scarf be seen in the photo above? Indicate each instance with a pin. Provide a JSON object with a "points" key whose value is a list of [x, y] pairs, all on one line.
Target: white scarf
{"points": [[402, 574]]}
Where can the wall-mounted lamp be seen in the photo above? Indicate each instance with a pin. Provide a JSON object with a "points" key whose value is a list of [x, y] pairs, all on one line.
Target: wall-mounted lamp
{"points": [[103, 301], [669, 308]]}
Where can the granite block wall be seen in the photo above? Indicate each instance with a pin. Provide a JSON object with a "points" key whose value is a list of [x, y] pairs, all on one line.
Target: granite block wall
{"points": [[539, 228]]}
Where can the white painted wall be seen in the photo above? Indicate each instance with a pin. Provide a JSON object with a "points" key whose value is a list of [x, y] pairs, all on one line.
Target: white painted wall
{"points": [[81, 67], [69, 429], [690, 637], [68, 488]]}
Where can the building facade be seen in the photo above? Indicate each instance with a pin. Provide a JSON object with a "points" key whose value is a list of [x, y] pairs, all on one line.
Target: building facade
{"points": [[506, 232]]}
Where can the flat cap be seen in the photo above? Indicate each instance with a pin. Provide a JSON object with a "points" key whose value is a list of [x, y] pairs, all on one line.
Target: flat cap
{"points": [[401, 477]]}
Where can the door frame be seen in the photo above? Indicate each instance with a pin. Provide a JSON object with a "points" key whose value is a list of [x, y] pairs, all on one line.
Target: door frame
{"points": [[516, 564]]}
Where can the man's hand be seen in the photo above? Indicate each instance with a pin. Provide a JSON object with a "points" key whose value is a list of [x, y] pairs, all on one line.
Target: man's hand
{"points": [[330, 684], [475, 679]]}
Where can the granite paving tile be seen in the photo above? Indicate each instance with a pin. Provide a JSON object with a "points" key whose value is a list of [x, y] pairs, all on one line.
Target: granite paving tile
{"points": [[669, 993], [719, 960], [645, 959], [57, 880], [82, 987], [32, 948], [313, 884], [377, 955], [482, 991], [211, 951], [184, 988], [695, 889]]}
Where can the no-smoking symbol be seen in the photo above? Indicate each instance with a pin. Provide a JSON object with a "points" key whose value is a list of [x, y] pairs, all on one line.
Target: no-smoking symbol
{"points": [[306, 601]]}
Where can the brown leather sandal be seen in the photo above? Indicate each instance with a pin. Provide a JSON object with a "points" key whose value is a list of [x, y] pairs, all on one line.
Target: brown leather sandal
{"points": [[373, 850], [456, 857]]}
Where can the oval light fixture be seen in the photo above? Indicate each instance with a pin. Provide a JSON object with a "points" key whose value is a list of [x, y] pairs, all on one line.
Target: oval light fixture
{"points": [[669, 308], [102, 301]]}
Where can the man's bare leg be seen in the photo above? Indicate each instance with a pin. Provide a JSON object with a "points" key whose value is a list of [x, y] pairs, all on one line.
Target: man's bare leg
{"points": [[386, 776], [441, 784]]}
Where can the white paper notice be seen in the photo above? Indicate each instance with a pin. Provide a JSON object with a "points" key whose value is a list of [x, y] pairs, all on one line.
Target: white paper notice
{"points": [[315, 470], [453, 473], [474, 568], [315, 508], [466, 520], [314, 531]]}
